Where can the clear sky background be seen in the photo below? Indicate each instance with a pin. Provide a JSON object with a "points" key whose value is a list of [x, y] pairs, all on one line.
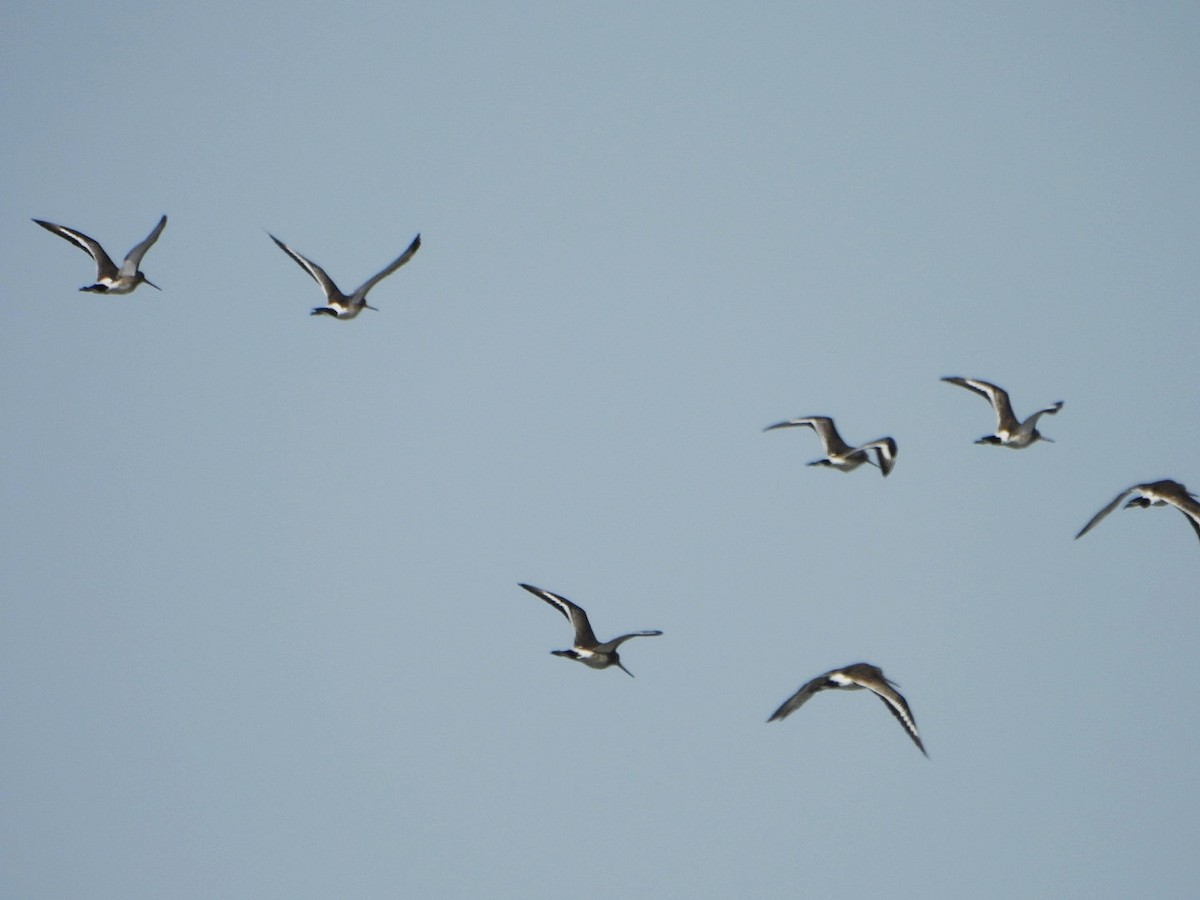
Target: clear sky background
{"points": [[261, 632]]}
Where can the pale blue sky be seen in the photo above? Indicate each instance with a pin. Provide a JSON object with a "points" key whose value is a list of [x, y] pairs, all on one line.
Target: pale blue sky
{"points": [[262, 635]]}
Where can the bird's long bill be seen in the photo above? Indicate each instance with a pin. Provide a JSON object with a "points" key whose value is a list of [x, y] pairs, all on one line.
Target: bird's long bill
{"points": [[621, 666], [369, 306], [151, 283], [1047, 440]]}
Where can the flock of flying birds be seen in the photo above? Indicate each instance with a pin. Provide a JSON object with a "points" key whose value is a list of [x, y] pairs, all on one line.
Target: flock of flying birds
{"points": [[113, 280], [1010, 432], [881, 453]]}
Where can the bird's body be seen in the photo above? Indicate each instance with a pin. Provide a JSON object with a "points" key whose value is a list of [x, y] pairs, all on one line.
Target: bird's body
{"points": [[840, 455], [1154, 493], [1010, 432], [859, 676], [586, 649], [339, 305], [109, 278]]}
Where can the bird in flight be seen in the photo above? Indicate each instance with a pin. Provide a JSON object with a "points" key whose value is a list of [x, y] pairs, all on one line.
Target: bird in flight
{"points": [[110, 279], [1153, 493], [855, 677], [840, 455], [589, 651], [337, 304], [1009, 431]]}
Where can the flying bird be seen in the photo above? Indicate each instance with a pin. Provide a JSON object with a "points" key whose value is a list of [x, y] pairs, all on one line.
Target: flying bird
{"points": [[840, 455], [337, 304], [110, 279], [1009, 431], [855, 678], [587, 649], [1154, 493]]}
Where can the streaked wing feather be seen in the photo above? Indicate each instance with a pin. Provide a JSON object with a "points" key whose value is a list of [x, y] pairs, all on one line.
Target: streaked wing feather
{"points": [[994, 394], [315, 272], [898, 706], [104, 264], [885, 453], [584, 636]]}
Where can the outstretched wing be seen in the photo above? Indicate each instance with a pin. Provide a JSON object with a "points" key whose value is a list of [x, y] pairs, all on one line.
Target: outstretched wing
{"points": [[400, 260], [317, 273], [994, 395], [898, 706], [104, 265], [575, 615], [885, 453], [1182, 499], [798, 699], [609, 646], [133, 259], [1104, 512], [831, 441], [1048, 411]]}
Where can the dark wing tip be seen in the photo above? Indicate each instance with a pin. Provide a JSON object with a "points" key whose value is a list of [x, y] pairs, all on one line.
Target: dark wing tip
{"points": [[788, 706], [1086, 528]]}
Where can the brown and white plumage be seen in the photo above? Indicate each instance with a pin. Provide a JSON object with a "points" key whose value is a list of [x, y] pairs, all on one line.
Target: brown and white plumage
{"points": [[337, 304], [1154, 493], [855, 677], [587, 650], [840, 455], [109, 278], [1009, 431]]}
